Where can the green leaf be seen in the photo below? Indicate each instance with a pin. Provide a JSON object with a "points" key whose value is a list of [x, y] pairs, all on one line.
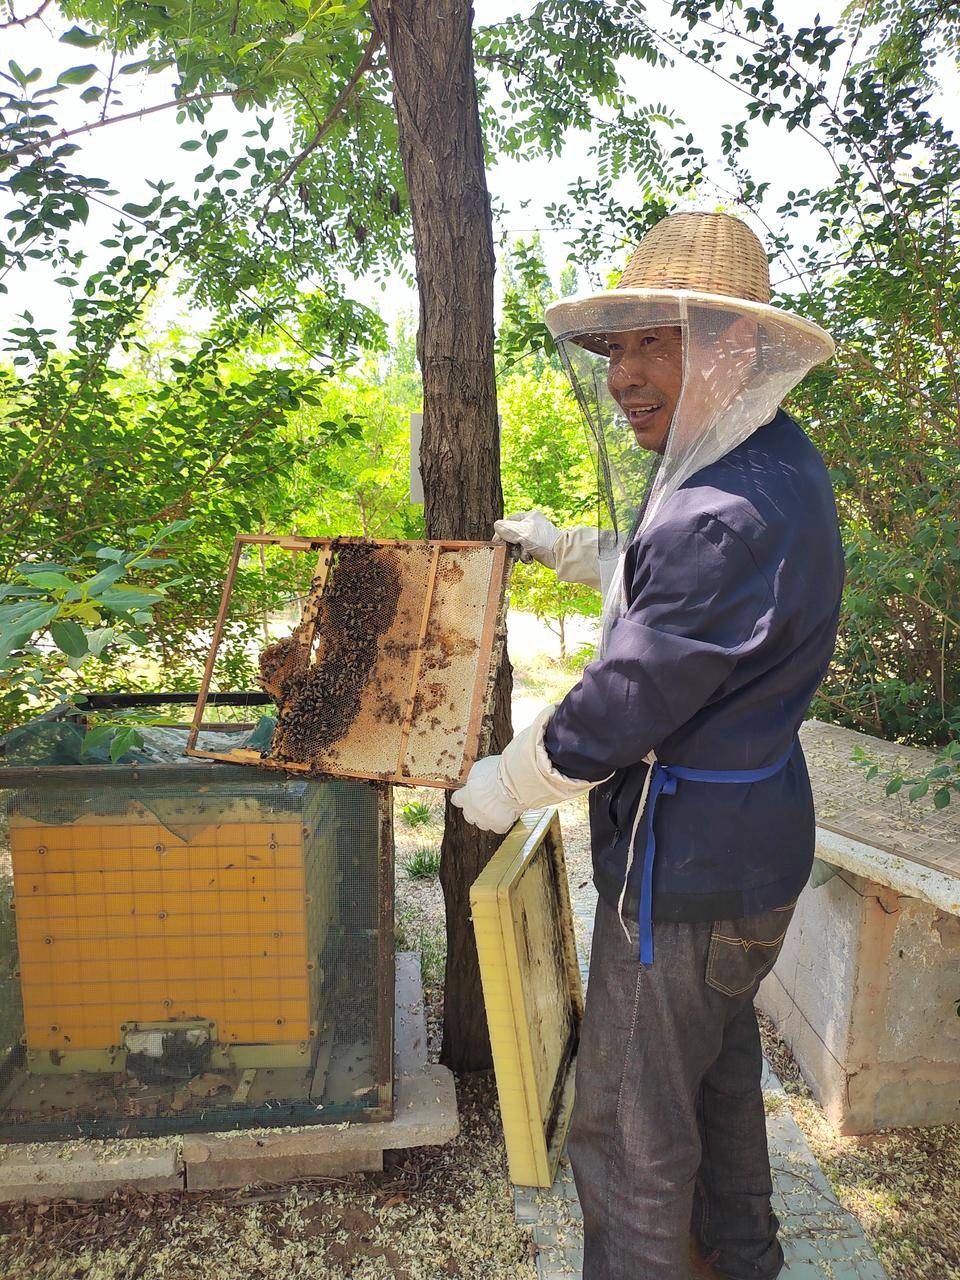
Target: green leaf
{"points": [[98, 640], [142, 210], [123, 599], [132, 68], [190, 145], [51, 581], [82, 39], [97, 737], [18, 623], [941, 798], [105, 578], [918, 791], [69, 637], [77, 75], [91, 94], [18, 73], [125, 740], [893, 786]]}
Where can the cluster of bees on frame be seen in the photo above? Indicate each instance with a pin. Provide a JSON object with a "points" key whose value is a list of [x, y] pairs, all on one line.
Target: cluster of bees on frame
{"points": [[317, 704]]}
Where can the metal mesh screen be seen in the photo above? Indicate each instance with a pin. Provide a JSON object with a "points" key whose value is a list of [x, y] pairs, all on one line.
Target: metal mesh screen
{"points": [[195, 955], [388, 673]]}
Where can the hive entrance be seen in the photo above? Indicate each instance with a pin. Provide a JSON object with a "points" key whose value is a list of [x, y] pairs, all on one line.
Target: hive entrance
{"points": [[388, 673]]}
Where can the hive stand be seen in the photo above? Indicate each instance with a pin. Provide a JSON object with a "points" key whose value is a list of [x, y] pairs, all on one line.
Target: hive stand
{"points": [[864, 991]]}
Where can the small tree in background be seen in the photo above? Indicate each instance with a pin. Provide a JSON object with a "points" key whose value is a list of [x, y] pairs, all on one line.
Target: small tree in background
{"points": [[544, 441], [539, 591]]}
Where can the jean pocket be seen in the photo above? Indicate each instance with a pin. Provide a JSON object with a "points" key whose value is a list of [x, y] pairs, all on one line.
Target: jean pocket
{"points": [[744, 951]]}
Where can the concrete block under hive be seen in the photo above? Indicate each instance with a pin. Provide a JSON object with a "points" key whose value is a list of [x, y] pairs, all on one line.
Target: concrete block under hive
{"points": [[190, 944], [389, 673]]}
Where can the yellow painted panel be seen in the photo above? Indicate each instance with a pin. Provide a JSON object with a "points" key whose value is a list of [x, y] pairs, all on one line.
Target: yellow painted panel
{"points": [[531, 988], [120, 920], [32, 907]]}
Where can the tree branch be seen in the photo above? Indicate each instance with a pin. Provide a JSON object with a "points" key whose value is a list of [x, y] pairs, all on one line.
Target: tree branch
{"points": [[130, 115], [327, 123], [22, 22]]}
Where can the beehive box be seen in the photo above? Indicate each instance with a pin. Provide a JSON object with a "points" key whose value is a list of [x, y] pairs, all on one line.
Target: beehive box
{"points": [[389, 673], [532, 991], [248, 918]]}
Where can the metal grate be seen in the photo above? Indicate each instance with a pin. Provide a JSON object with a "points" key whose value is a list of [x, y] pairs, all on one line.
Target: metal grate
{"points": [[200, 954], [388, 673]]}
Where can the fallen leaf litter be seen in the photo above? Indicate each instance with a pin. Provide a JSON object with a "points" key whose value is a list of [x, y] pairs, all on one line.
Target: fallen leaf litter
{"points": [[436, 1212]]}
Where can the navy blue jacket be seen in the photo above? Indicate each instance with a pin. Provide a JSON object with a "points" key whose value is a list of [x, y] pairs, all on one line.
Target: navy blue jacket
{"points": [[733, 598]]}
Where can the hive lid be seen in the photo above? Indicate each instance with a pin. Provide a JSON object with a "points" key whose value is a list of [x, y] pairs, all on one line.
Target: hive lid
{"points": [[388, 674], [859, 809]]}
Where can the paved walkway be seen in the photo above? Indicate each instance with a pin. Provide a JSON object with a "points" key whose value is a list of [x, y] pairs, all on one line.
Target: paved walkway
{"points": [[821, 1240]]}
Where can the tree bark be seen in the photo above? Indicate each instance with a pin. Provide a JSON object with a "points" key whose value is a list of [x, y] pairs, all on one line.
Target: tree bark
{"points": [[430, 50]]}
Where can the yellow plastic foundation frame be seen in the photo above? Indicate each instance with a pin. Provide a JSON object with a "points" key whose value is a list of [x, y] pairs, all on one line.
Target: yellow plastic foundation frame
{"points": [[532, 991]]}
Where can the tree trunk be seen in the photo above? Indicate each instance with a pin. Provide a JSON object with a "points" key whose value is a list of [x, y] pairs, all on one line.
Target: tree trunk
{"points": [[430, 50], [563, 638]]}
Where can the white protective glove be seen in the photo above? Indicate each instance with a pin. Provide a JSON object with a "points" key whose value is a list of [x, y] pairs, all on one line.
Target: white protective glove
{"points": [[533, 533], [500, 788], [574, 554]]}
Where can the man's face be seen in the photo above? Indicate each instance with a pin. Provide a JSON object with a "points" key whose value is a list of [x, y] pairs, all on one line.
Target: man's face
{"points": [[645, 375]]}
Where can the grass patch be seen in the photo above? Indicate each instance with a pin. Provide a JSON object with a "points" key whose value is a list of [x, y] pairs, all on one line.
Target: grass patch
{"points": [[423, 864], [416, 814], [414, 933]]}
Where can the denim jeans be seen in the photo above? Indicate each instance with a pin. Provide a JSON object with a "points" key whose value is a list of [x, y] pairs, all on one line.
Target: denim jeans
{"points": [[668, 1131]]}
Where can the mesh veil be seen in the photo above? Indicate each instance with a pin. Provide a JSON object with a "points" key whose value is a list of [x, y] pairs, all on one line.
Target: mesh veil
{"points": [[739, 362]]}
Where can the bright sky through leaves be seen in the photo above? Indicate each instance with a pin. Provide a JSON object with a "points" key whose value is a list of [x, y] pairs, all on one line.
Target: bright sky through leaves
{"points": [[128, 154]]}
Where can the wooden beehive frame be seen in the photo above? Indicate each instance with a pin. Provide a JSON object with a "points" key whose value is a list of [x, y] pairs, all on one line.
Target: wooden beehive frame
{"points": [[535, 1106], [486, 654]]}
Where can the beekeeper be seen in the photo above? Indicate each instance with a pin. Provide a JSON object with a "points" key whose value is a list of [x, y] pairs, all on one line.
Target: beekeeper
{"points": [[722, 570]]}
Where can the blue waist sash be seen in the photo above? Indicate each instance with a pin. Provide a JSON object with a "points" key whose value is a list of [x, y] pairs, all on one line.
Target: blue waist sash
{"points": [[663, 782]]}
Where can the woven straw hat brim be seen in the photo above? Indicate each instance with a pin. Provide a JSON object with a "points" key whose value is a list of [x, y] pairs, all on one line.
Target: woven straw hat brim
{"points": [[566, 318]]}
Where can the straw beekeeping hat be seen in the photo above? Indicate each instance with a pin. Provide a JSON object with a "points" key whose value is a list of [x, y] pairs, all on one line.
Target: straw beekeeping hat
{"points": [[710, 259]]}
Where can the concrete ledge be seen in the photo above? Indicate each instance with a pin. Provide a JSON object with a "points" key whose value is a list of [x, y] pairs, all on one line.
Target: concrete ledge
{"points": [[863, 993], [207, 1167], [410, 1018], [911, 879], [91, 1171], [425, 1115]]}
